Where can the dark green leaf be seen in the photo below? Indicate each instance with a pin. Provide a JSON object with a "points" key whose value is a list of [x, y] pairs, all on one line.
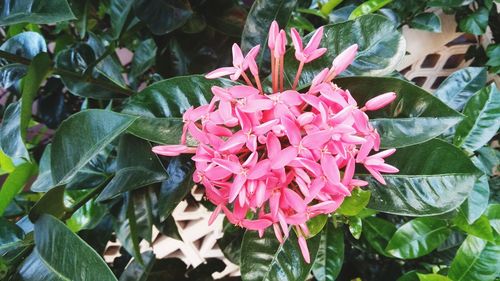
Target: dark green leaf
{"points": [[259, 19], [162, 104], [86, 217], [61, 255], [163, 16], [139, 272], [143, 201], [477, 201], [38, 71], [14, 183], [426, 21], [355, 227], [81, 137], [414, 117], [424, 186], [487, 160], [381, 47], [476, 22], [99, 169], [118, 13], [456, 90], [51, 203], [11, 141], [476, 260], [493, 215], [368, 7], [330, 254], [493, 52], [144, 57], [43, 181], [449, 3], [482, 119], [265, 259], [35, 11], [480, 228], [11, 237], [10, 74], [108, 67], [230, 243], [125, 226], [377, 232], [418, 237], [353, 204], [137, 166]]}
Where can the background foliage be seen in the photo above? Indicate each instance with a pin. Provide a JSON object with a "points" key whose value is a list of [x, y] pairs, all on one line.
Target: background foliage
{"points": [[78, 124]]}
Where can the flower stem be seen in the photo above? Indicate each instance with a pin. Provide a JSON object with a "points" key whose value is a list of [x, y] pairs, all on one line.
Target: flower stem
{"points": [[297, 76], [282, 72], [247, 80], [259, 85]]}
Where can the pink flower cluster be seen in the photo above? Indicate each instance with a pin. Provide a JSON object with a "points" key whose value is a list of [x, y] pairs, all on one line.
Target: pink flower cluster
{"points": [[279, 159]]}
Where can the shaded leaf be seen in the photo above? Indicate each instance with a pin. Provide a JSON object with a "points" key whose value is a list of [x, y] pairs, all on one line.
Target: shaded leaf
{"points": [[139, 272], [476, 22], [426, 21], [163, 16], [144, 57], [34, 11], [377, 232], [477, 201], [330, 256], [11, 141]]}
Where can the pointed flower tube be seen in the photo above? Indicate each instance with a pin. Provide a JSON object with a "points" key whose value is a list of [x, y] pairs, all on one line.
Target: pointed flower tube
{"points": [[279, 158]]}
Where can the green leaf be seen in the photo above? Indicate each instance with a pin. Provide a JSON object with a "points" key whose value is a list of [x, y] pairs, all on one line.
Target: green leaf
{"points": [[11, 236], [118, 12], [61, 255], [424, 186], [476, 260], [487, 160], [14, 183], [77, 58], [480, 228], [259, 19], [137, 167], [266, 259], [139, 272], [330, 256], [432, 277], [482, 119], [108, 67], [381, 47], [426, 21], [10, 74], [476, 22], [11, 141], [417, 238], [81, 137], [162, 104], [353, 204], [87, 217], [368, 7], [493, 215], [6, 164], [377, 232], [144, 57], [163, 16], [125, 226], [35, 11], [456, 90], [316, 225], [43, 181], [414, 117], [38, 71], [355, 226], [493, 52], [145, 206], [448, 3], [51, 203], [477, 201], [230, 242]]}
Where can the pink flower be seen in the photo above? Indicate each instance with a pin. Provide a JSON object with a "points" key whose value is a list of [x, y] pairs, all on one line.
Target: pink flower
{"points": [[278, 159]]}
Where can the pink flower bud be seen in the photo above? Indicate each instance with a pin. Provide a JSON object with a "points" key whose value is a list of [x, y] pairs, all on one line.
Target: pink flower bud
{"points": [[170, 150], [380, 101]]}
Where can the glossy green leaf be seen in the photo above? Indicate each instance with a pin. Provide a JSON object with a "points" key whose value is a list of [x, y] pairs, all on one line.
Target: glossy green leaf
{"points": [[426, 21], [118, 12], [51, 203], [456, 90], [432, 277], [11, 236], [476, 22], [61, 255], [424, 186], [163, 16], [414, 117], [377, 232], [409, 276], [493, 52], [265, 259], [125, 226], [11, 141], [11, 74], [476, 260], [43, 181], [449, 3], [368, 7], [493, 215], [107, 66], [230, 242], [35, 11], [259, 19], [38, 71], [353, 204], [137, 166], [381, 47], [480, 228], [14, 183], [330, 254], [316, 225], [136, 271], [162, 104], [81, 137], [487, 160], [418, 237], [477, 201], [355, 226], [87, 217], [145, 207], [144, 57], [482, 119]]}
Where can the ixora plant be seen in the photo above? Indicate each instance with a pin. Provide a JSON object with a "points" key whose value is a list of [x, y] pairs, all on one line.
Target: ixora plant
{"points": [[282, 152], [327, 164]]}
